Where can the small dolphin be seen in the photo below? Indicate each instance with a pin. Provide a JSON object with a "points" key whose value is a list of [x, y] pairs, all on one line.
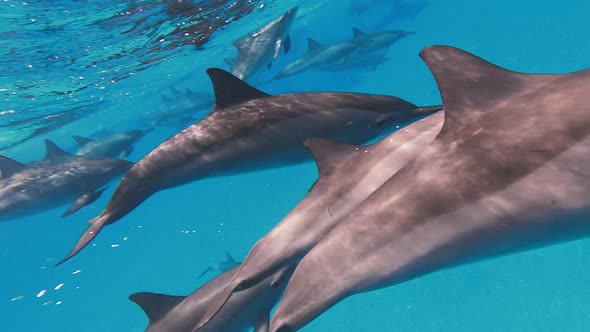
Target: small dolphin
{"points": [[27, 190], [221, 267], [509, 171], [250, 130], [118, 145], [319, 56], [347, 175], [178, 108], [259, 49], [244, 310]]}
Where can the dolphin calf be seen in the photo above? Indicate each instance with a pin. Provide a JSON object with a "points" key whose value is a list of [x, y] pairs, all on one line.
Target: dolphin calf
{"points": [[319, 56], [27, 190], [260, 48], [508, 172], [250, 130], [245, 310], [347, 175], [118, 145]]}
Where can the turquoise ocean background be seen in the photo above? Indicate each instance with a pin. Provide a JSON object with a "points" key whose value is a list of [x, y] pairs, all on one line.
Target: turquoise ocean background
{"points": [[170, 239]]}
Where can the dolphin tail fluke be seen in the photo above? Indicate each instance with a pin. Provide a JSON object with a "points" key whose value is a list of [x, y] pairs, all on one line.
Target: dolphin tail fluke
{"points": [[88, 235], [215, 305]]}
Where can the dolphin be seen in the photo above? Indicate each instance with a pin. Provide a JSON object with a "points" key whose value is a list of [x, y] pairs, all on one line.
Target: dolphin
{"points": [[27, 190], [347, 175], [377, 41], [243, 311], [508, 172], [223, 266], [260, 48], [178, 108], [118, 145], [319, 56], [250, 130]]}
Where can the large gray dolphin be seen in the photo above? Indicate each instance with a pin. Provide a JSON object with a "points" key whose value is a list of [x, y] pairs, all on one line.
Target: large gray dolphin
{"points": [[319, 56], [27, 190], [509, 171], [260, 48], [243, 311], [347, 175], [118, 145], [250, 130]]}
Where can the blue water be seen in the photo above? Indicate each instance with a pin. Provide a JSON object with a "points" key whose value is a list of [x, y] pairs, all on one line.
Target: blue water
{"points": [[67, 68]]}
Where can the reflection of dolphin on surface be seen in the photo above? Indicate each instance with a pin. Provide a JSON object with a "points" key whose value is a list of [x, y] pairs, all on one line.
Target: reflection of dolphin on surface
{"points": [[509, 171], [60, 178], [118, 145], [348, 174], [259, 49], [250, 130], [244, 310]]}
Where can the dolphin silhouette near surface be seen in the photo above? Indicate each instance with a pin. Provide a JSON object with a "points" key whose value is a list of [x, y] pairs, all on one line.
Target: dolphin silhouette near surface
{"points": [[508, 172], [250, 130]]}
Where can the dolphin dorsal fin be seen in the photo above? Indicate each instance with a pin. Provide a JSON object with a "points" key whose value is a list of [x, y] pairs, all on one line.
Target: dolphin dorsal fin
{"points": [[54, 152], [81, 141], [357, 33], [9, 167], [313, 45], [328, 155], [469, 85], [155, 305], [230, 90]]}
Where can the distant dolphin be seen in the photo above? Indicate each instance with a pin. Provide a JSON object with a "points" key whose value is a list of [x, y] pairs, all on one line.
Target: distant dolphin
{"points": [[27, 190], [377, 41], [243, 311], [250, 130], [118, 145], [259, 49], [319, 56], [348, 174], [179, 108], [509, 171]]}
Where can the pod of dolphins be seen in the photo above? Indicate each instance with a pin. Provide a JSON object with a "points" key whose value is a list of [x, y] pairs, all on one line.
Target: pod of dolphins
{"points": [[502, 166]]}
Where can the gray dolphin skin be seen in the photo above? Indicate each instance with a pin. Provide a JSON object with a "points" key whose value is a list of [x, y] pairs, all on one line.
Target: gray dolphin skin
{"points": [[377, 41], [319, 56], [259, 49], [118, 145], [508, 172], [250, 130], [244, 311], [347, 175], [27, 190]]}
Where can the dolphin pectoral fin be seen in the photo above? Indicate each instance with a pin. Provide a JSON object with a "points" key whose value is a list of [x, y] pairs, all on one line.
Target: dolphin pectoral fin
{"points": [[278, 45], [262, 322], [215, 304], [155, 305], [82, 201], [287, 45], [88, 235]]}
